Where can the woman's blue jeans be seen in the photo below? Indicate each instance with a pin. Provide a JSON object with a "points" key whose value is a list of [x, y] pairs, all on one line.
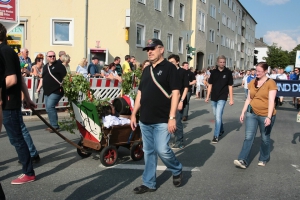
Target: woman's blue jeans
{"points": [[254, 121], [218, 107], [51, 101], [156, 142], [12, 124]]}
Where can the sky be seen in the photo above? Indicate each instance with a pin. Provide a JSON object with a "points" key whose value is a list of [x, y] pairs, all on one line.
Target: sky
{"points": [[277, 21]]}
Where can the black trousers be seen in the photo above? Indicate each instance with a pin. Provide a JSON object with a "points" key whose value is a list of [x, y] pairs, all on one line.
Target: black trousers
{"points": [[2, 196]]}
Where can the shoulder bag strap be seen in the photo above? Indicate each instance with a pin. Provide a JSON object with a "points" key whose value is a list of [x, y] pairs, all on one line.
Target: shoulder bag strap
{"points": [[259, 88], [60, 83], [158, 85]]}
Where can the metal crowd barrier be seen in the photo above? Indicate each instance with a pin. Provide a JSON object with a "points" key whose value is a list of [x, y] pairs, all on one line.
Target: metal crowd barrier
{"points": [[104, 88]]}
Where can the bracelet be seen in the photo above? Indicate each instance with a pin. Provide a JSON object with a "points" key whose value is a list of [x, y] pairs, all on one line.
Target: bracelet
{"points": [[269, 118]]}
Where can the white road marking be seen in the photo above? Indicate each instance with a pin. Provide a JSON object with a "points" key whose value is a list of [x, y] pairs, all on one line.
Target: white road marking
{"points": [[141, 167], [297, 167]]}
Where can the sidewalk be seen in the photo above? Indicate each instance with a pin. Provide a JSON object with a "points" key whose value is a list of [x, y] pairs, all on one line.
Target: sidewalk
{"points": [[61, 115]]}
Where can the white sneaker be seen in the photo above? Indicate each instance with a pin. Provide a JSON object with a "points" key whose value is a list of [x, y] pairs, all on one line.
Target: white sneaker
{"points": [[240, 163], [261, 163]]}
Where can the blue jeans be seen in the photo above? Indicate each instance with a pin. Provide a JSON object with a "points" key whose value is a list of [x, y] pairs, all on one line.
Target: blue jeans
{"points": [[178, 139], [12, 124], [50, 102], [156, 142], [27, 138], [254, 121], [246, 92], [187, 105], [218, 107]]}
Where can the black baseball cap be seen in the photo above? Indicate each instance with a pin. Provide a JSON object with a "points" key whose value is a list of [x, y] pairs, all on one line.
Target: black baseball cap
{"points": [[153, 43]]}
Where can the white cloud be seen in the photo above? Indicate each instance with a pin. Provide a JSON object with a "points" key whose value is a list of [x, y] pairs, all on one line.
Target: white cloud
{"points": [[281, 39], [274, 2]]}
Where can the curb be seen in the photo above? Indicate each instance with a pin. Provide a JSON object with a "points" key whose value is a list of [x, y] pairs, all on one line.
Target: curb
{"points": [[61, 115]]}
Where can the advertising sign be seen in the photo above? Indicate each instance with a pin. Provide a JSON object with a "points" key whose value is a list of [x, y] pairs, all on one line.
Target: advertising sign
{"points": [[297, 63], [15, 38], [9, 12]]}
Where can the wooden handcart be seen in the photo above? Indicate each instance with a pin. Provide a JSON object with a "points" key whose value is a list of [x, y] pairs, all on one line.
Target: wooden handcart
{"points": [[105, 140]]}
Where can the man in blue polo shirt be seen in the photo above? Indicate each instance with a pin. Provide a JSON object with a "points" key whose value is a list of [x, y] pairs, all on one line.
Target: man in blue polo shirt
{"points": [[220, 85]]}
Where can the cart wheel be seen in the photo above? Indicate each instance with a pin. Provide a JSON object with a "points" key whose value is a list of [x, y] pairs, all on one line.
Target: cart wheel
{"points": [[82, 153], [108, 156], [136, 151]]}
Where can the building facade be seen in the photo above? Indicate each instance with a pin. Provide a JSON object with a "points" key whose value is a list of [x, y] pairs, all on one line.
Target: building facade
{"points": [[230, 32], [117, 28], [262, 49]]}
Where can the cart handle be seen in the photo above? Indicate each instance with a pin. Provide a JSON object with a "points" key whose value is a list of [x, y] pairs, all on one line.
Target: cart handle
{"points": [[55, 131]]}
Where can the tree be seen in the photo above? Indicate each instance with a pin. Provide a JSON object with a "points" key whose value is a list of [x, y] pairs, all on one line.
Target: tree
{"points": [[293, 53], [277, 57]]}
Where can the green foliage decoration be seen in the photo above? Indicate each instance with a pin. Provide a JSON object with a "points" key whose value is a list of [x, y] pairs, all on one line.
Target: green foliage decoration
{"points": [[129, 80], [77, 88]]}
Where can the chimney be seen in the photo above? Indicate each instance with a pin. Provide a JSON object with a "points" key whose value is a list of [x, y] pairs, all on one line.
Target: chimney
{"points": [[261, 39]]}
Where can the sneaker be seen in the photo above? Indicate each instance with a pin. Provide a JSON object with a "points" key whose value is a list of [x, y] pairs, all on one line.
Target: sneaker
{"points": [[177, 180], [261, 163], [142, 189], [23, 178], [221, 133], [36, 159], [215, 140], [240, 163], [51, 131]]}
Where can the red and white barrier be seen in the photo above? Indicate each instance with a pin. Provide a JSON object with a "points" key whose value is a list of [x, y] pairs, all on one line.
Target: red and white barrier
{"points": [[104, 88]]}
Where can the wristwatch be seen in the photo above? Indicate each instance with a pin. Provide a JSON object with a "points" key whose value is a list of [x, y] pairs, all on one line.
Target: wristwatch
{"points": [[171, 117], [181, 100]]}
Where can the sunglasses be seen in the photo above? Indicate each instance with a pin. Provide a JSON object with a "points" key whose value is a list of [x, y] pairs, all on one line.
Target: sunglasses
{"points": [[51, 56]]}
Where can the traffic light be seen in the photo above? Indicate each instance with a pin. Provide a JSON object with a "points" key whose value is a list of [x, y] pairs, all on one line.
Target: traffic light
{"points": [[190, 52]]}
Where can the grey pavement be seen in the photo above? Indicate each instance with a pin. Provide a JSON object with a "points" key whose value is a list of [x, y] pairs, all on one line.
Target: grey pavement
{"points": [[209, 170]]}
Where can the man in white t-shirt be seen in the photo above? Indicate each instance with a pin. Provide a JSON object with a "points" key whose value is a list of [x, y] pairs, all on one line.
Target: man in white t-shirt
{"points": [[281, 76], [245, 84]]}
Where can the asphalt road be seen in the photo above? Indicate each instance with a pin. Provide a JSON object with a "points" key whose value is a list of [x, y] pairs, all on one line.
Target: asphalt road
{"points": [[209, 172]]}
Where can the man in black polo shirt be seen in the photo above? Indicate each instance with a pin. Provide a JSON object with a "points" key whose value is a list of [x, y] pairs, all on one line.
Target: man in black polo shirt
{"points": [[184, 81], [220, 85], [157, 98], [12, 115], [192, 80]]}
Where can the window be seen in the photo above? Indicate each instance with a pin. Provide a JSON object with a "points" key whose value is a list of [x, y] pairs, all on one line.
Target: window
{"points": [[171, 8], [217, 49], [218, 26], [181, 12], [224, 18], [142, 1], [230, 4], [213, 11], [201, 21], [233, 25], [204, 1], [62, 31], [140, 35], [180, 45], [156, 34], [211, 35], [210, 59], [157, 5], [228, 22], [170, 42], [223, 40], [233, 7]]}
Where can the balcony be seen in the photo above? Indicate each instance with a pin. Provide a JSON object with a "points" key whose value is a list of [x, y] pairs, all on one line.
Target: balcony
{"points": [[243, 23], [243, 39], [242, 55]]}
